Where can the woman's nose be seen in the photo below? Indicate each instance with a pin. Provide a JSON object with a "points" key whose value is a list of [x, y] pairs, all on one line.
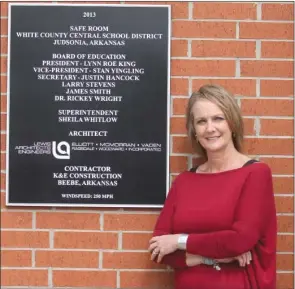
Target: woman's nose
{"points": [[210, 126]]}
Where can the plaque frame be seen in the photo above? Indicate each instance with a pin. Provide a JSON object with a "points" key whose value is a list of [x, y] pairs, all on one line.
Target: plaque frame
{"points": [[169, 103]]}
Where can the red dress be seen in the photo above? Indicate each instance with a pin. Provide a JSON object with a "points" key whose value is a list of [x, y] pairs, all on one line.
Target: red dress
{"points": [[225, 214]]}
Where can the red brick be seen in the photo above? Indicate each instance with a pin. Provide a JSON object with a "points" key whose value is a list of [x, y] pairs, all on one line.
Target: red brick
{"points": [[3, 45], [249, 126], [283, 185], [281, 127], [98, 209], [277, 11], [129, 260], [269, 146], [3, 103], [3, 161], [285, 262], [285, 281], [24, 277], [4, 9], [179, 106], [3, 84], [2, 200], [85, 240], [212, 48], [140, 210], [138, 279], [65, 259], [16, 220], [267, 68], [177, 125], [3, 181], [179, 48], [245, 87], [284, 204], [24, 239], [136, 241], [4, 26], [178, 164], [179, 86], [280, 166], [3, 64], [89, 221], [274, 49], [3, 126], [181, 145], [285, 243], [267, 107], [258, 30], [16, 258], [198, 29], [179, 10], [277, 88], [285, 224], [130, 222], [183, 67], [3, 142], [219, 10], [76, 278]]}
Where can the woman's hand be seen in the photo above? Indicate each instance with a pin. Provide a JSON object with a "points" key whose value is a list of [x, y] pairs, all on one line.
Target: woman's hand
{"points": [[244, 259], [163, 245]]}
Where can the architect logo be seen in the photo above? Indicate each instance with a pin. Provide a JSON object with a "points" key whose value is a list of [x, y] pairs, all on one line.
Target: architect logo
{"points": [[61, 150]]}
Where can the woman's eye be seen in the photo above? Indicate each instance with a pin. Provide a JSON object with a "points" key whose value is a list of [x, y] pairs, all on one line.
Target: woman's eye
{"points": [[201, 121], [219, 118]]}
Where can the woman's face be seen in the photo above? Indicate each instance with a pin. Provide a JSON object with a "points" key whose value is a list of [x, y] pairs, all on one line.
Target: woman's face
{"points": [[211, 127]]}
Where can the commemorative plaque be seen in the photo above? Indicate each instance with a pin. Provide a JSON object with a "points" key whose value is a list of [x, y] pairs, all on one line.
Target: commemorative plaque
{"points": [[88, 105]]}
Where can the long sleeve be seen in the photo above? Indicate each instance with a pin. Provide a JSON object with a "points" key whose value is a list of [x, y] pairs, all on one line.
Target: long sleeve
{"points": [[255, 208], [164, 227]]}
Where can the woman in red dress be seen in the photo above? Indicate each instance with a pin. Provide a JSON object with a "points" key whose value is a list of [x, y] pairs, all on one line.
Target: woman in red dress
{"points": [[217, 228]]}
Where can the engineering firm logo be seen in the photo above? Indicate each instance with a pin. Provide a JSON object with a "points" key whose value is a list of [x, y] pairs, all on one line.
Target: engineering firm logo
{"points": [[61, 150]]}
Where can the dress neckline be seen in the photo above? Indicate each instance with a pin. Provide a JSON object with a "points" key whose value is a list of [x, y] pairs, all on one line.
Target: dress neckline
{"points": [[194, 169]]}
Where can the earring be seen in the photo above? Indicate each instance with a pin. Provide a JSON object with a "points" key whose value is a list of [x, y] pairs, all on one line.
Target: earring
{"points": [[234, 135], [196, 138]]}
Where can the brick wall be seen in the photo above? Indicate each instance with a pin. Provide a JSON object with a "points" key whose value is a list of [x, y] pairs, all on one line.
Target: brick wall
{"points": [[248, 48]]}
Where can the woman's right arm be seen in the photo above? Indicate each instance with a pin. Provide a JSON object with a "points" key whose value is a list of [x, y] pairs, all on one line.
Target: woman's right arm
{"points": [[164, 226]]}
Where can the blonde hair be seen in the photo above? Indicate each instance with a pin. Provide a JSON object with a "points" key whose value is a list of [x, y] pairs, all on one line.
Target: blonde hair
{"points": [[226, 102]]}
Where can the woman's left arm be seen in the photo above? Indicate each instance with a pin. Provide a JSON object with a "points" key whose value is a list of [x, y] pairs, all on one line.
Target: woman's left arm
{"points": [[255, 210]]}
